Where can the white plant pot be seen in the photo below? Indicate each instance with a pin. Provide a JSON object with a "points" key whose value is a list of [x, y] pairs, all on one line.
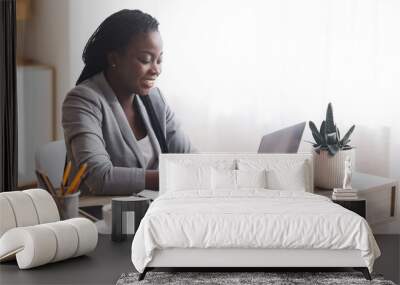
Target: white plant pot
{"points": [[329, 170]]}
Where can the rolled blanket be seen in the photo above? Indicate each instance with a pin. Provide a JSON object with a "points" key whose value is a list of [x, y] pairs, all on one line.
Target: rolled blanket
{"points": [[40, 244]]}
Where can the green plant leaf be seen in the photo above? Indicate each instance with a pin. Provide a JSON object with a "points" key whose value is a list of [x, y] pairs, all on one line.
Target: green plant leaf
{"points": [[345, 139], [331, 139], [322, 126], [314, 131], [330, 124], [347, 147], [345, 143], [338, 135], [323, 133], [333, 149]]}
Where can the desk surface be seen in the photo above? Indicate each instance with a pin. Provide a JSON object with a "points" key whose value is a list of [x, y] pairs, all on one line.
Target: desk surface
{"points": [[87, 201], [102, 266]]}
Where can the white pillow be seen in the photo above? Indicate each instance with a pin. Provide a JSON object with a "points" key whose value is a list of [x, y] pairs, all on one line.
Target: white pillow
{"points": [[282, 174], [223, 179], [227, 179], [251, 178], [291, 178], [188, 177]]}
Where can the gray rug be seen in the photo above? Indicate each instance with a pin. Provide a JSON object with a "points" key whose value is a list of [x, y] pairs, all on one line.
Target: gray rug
{"points": [[229, 278]]}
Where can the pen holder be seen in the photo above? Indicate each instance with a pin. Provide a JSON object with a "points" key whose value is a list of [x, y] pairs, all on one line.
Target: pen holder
{"points": [[68, 205]]}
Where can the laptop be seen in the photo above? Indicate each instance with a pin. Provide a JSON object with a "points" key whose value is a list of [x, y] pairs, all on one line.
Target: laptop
{"points": [[286, 140]]}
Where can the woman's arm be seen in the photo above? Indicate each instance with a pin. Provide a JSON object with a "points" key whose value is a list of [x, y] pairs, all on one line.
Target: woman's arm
{"points": [[151, 180], [82, 121]]}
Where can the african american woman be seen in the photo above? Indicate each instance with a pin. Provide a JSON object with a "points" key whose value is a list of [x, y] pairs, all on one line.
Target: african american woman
{"points": [[115, 120]]}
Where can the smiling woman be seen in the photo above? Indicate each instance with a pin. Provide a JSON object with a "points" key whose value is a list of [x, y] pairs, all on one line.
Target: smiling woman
{"points": [[115, 120]]}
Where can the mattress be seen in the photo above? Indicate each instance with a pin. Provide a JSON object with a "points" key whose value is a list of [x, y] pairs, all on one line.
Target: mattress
{"points": [[250, 219]]}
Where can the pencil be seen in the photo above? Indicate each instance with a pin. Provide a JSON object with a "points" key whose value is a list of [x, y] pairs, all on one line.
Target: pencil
{"points": [[41, 179], [44, 179], [66, 173], [49, 185], [62, 189], [75, 182], [83, 177]]}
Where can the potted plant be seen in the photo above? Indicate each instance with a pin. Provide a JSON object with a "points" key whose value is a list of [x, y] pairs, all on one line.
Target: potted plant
{"points": [[330, 152]]}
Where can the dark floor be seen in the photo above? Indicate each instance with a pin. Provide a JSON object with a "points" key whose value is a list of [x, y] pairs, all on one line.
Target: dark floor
{"points": [[389, 262], [102, 266]]}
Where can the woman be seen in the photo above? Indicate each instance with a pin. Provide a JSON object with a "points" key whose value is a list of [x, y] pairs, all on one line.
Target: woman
{"points": [[115, 120]]}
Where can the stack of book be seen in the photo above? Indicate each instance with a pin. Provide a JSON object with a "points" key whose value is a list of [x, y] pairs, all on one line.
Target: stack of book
{"points": [[344, 194]]}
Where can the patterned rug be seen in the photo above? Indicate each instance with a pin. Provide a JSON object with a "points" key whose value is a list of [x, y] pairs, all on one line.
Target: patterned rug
{"points": [[243, 278]]}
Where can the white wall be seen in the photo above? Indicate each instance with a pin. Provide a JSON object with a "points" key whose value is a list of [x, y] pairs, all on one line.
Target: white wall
{"points": [[235, 70], [47, 41], [85, 17]]}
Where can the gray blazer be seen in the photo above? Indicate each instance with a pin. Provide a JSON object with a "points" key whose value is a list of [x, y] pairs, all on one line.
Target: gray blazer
{"points": [[97, 132]]}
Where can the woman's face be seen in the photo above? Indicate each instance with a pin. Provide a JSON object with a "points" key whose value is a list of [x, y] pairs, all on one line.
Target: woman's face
{"points": [[139, 65]]}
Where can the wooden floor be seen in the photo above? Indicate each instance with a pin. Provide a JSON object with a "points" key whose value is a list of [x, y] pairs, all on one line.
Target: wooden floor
{"points": [[110, 260]]}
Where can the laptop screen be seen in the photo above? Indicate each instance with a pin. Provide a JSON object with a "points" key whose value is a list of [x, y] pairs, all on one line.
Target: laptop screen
{"points": [[286, 140]]}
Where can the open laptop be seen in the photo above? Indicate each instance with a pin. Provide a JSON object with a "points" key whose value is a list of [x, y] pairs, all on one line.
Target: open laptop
{"points": [[286, 140]]}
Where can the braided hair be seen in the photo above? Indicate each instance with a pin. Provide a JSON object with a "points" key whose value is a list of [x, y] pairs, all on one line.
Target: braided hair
{"points": [[113, 34]]}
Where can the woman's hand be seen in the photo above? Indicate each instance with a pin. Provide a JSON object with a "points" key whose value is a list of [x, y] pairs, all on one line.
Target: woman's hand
{"points": [[151, 180]]}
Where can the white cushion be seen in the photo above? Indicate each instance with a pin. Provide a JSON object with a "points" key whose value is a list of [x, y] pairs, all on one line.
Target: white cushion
{"points": [[231, 180], [45, 205], [40, 244], [87, 233], [292, 178], [240, 161], [223, 179], [251, 178], [7, 218], [23, 208], [193, 169], [34, 244], [282, 174], [188, 177], [67, 240], [26, 208]]}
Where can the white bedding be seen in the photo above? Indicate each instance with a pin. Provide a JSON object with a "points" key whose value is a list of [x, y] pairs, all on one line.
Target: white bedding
{"points": [[251, 218]]}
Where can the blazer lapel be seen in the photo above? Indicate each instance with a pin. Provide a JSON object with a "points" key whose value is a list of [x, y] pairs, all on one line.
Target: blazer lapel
{"points": [[119, 115], [149, 128]]}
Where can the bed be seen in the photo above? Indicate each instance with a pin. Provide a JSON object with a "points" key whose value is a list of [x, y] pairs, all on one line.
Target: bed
{"points": [[247, 210]]}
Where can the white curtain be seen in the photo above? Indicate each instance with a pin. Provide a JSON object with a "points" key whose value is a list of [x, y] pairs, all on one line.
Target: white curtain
{"points": [[236, 70]]}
